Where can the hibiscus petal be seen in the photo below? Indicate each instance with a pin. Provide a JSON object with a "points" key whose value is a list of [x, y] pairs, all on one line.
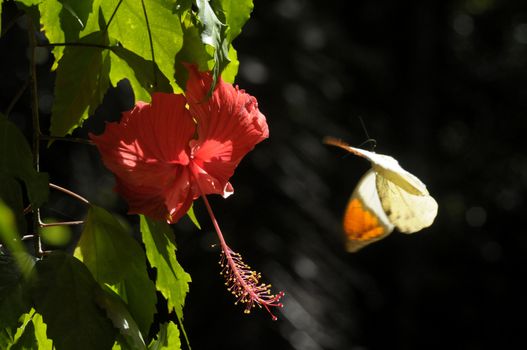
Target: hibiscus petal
{"points": [[229, 126], [148, 152]]}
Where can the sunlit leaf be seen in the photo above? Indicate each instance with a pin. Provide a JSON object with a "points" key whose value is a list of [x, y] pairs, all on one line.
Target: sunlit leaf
{"points": [[237, 12], [231, 70], [31, 334], [62, 282], [129, 27], [167, 338], [193, 50], [122, 320], [193, 218], [44, 343], [172, 281], [24, 338], [80, 85], [139, 72], [116, 259], [16, 160], [213, 33], [66, 21]]}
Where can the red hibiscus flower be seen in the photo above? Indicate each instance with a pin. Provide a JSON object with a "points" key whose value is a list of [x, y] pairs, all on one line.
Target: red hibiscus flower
{"points": [[166, 154], [170, 152]]}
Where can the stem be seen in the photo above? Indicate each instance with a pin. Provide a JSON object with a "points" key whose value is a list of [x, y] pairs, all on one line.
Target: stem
{"points": [[16, 98], [63, 223], [75, 44], [151, 43], [67, 139], [112, 16], [7, 25], [68, 192], [37, 244]]}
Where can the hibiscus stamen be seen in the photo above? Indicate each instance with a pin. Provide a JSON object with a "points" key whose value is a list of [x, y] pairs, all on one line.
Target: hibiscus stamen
{"points": [[240, 279]]}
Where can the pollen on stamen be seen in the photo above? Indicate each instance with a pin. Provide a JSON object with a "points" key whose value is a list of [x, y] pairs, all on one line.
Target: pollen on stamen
{"points": [[244, 284]]}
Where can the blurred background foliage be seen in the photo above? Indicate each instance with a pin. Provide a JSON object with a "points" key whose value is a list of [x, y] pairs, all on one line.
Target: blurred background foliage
{"points": [[441, 86]]}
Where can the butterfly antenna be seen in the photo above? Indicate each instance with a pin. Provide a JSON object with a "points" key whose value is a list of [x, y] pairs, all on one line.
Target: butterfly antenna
{"points": [[373, 142]]}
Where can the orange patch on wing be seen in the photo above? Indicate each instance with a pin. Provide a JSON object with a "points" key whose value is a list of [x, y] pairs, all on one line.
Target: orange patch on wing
{"points": [[360, 224]]}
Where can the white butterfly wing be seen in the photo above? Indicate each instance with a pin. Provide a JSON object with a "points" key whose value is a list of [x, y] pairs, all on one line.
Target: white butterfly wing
{"points": [[407, 211]]}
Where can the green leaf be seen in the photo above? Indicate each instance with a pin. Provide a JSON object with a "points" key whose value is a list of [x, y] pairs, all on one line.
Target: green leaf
{"points": [[31, 334], [237, 12], [16, 160], [11, 195], [167, 338], [231, 70], [66, 21], [162, 34], [192, 217], [8, 231], [44, 343], [10, 237], [58, 235], [15, 299], [172, 281], [121, 319], [6, 338], [139, 72], [29, 3], [116, 259], [193, 50], [80, 85], [62, 283], [24, 338], [214, 34]]}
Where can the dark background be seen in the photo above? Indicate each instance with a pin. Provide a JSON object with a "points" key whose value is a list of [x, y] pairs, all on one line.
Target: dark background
{"points": [[441, 86]]}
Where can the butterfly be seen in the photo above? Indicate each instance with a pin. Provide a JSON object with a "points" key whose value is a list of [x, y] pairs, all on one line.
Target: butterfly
{"points": [[387, 196]]}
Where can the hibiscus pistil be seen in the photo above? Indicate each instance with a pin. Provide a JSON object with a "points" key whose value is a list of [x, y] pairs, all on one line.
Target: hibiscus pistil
{"points": [[240, 279]]}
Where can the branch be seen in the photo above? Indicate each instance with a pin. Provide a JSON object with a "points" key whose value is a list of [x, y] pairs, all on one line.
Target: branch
{"points": [[16, 98], [62, 223], [67, 139], [37, 244], [70, 193]]}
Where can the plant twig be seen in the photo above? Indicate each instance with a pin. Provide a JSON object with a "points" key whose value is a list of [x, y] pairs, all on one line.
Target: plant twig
{"points": [[61, 223], [16, 98], [112, 16], [67, 139], [70, 193], [151, 43], [100, 46]]}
